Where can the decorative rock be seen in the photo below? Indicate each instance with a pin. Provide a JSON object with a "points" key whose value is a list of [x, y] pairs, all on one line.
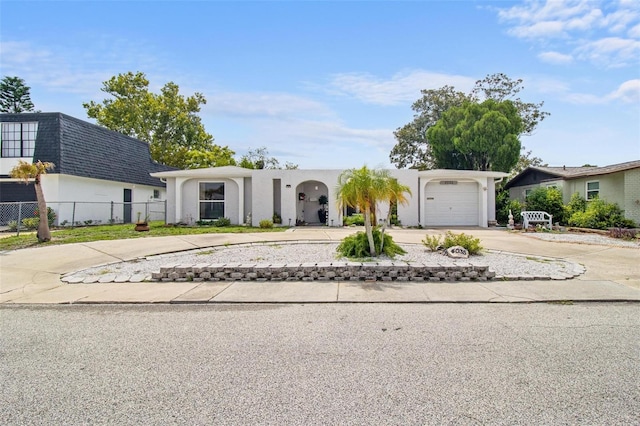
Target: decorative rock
{"points": [[457, 252]]}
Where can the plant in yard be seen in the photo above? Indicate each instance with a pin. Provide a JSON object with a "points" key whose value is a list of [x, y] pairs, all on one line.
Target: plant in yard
{"points": [[624, 234], [469, 242], [547, 200], [266, 223], [433, 242], [600, 214], [362, 189], [27, 172], [356, 246]]}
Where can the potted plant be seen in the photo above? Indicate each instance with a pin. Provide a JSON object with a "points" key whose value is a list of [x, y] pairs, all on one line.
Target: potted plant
{"points": [[142, 225], [322, 212]]}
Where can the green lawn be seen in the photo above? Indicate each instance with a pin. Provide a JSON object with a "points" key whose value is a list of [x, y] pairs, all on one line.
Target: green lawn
{"points": [[118, 232]]}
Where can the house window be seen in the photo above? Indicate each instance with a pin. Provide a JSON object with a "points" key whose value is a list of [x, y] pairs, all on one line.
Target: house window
{"points": [[18, 139], [527, 192], [156, 194], [211, 200], [593, 189]]}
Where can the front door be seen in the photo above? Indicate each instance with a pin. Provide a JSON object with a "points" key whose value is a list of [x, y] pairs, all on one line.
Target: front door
{"points": [[126, 215]]}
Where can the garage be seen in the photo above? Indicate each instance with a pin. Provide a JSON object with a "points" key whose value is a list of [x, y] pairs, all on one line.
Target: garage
{"points": [[451, 203]]}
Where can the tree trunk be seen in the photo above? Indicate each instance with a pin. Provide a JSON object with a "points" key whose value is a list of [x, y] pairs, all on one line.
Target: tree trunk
{"points": [[44, 234], [368, 229]]}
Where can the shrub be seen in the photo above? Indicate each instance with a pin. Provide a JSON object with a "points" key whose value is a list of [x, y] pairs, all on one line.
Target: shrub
{"points": [[600, 214], [433, 242], [355, 220], [547, 200], [222, 222], [467, 241], [277, 218], [624, 233], [31, 222], [51, 216], [13, 225], [266, 223], [576, 204], [356, 246], [504, 204]]}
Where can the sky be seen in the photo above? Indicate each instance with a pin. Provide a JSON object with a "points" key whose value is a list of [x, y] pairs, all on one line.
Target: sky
{"points": [[324, 84]]}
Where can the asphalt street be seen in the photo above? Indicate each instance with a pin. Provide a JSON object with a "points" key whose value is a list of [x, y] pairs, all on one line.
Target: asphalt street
{"points": [[330, 364]]}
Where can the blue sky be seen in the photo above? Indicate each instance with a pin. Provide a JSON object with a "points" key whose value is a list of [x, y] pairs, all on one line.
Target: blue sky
{"points": [[324, 84]]}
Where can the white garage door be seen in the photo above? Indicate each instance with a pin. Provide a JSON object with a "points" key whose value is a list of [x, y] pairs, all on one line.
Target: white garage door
{"points": [[451, 203]]}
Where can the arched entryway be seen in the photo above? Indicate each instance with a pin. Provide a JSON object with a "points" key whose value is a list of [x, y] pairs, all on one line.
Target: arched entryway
{"points": [[309, 210]]}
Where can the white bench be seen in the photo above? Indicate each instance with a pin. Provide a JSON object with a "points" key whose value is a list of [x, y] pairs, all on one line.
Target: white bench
{"points": [[537, 217]]}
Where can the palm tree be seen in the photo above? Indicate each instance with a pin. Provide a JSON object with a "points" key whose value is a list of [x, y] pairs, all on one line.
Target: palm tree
{"points": [[363, 188], [26, 172]]}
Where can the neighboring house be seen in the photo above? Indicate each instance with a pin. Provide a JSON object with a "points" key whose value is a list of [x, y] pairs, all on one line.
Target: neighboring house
{"points": [[439, 197], [92, 165], [617, 183]]}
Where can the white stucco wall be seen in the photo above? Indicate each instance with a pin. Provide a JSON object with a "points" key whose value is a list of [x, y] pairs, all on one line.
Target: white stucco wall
{"points": [[93, 198], [251, 192]]}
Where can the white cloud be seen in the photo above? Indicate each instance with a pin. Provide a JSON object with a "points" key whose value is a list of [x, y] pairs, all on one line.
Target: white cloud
{"points": [[555, 58], [264, 105], [628, 92], [401, 88], [601, 32], [610, 51]]}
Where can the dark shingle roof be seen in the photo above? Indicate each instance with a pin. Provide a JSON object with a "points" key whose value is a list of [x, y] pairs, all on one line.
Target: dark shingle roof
{"points": [[567, 173], [83, 149]]}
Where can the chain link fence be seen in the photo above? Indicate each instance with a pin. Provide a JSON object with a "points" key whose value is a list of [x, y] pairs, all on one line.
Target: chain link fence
{"points": [[18, 216]]}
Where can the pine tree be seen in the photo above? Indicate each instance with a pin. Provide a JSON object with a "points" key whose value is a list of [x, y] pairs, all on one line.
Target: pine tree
{"points": [[14, 96]]}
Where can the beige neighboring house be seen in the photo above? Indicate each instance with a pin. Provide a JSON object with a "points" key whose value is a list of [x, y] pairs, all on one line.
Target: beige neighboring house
{"points": [[617, 183]]}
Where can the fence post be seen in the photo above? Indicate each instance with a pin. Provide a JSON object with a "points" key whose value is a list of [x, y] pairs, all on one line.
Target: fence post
{"points": [[165, 211], [111, 221], [146, 211], [19, 218], [73, 215]]}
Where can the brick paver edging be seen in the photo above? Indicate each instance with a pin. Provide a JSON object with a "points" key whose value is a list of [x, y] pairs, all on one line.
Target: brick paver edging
{"points": [[345, 271]]}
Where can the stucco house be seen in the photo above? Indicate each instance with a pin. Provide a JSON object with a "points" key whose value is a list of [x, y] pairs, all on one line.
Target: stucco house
{"points": [[616, 183], [92, 165], [439, 197]]}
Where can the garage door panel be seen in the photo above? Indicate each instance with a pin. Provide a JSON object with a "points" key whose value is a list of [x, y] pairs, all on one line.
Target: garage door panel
{"points": [[451, 204]]}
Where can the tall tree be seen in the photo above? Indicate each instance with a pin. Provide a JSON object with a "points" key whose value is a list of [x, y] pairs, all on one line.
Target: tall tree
{"points": [[15, 95], [259, 159], [168, 121], [27, 172], [413, 148], [477, 136]]}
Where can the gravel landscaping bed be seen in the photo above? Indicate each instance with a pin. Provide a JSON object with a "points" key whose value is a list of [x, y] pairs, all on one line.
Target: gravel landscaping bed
{"points": [[503, 264], [584, 238]]}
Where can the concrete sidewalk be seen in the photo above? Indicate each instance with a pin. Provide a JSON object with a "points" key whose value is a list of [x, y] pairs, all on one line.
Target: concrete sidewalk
{"points": [[33, 275]]}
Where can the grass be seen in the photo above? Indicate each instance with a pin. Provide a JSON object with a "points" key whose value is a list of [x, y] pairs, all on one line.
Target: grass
{"points": [[119, 232]]}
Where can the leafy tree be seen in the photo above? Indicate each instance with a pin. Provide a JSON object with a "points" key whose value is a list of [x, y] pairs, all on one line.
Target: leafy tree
{"points": [[26, 172], [363, 188], [168, 121], [15, 96], [477, 136], [413, 148], [260, 159]]}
